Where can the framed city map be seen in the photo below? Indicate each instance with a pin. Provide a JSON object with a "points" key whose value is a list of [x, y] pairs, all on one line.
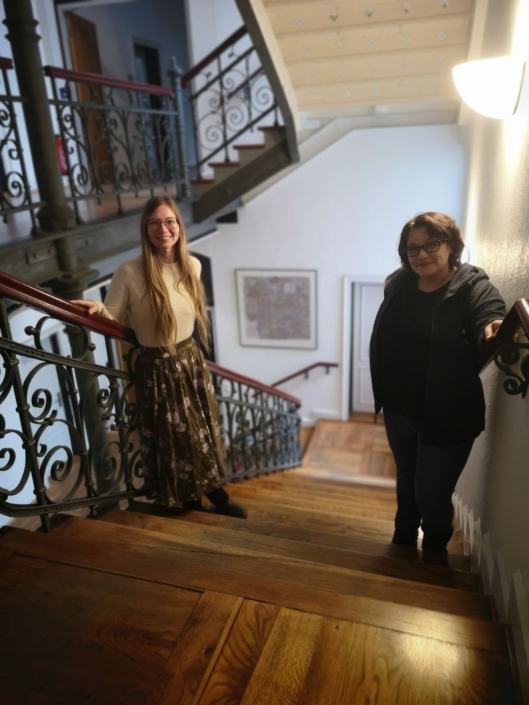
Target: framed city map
{"points": [[277, 307]]}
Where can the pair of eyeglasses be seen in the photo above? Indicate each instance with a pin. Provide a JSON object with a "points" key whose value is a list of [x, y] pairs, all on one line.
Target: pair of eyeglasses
{"points": [[429, 246], [170, 224]]}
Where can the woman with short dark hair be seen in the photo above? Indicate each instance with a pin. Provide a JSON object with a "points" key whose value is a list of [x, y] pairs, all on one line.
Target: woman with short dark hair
{"points": [[425, 352]]}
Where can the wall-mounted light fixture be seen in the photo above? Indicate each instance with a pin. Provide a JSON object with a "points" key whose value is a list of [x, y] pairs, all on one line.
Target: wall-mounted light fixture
{"points": [[497, 88]]}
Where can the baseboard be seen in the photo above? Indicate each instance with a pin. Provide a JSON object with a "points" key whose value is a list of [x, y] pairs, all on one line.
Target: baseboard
{"points": [[509, 591], [326, 414]]}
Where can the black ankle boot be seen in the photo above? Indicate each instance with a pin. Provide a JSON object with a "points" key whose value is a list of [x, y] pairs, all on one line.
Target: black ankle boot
{"points": [[194, 505], [230, 509]]}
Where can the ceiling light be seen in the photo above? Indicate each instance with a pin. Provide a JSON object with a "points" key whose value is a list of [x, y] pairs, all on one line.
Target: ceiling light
{"points": [[497, 88]]}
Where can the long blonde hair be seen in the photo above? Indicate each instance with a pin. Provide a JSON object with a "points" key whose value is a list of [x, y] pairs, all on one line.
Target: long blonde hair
{"points": [[163, 315]]}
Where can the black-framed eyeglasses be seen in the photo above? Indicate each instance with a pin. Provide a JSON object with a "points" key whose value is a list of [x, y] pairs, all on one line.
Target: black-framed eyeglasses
{"points": [[429, 246], [170, 224]]}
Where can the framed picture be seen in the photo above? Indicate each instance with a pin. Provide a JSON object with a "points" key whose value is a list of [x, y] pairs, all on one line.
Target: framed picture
{"points": [[277, 307]]}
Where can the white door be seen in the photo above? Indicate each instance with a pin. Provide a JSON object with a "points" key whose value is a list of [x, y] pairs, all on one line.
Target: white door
{"points": [[366, 302]]}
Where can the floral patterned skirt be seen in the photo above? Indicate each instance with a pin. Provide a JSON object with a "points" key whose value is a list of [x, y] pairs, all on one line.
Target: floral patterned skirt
{"points": [[178, 421]]}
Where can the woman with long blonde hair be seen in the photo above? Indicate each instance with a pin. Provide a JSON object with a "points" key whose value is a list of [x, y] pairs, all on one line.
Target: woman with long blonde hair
{"points": [[160, 295]]}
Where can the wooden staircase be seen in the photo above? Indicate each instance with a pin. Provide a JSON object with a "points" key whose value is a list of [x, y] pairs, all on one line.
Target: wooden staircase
{"points": [[304, 602], [231, 180]]}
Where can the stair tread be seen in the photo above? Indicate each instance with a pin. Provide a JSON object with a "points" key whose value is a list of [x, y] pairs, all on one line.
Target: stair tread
{"points": [[249, 146], [307, 534], [249, 563], [309, 499], [187, 571], [287, 515], [225, 164], [339, 557], [299, 478]]}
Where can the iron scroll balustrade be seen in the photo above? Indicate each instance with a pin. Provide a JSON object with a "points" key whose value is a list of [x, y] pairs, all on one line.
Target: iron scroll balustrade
{"points": [[15, 191], [512, 340], [231, 96], [53, 459], [118, 137], [260, 425]]}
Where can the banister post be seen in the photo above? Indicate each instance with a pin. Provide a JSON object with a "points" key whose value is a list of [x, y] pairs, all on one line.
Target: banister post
{"points": [[175, 74], [55, 215]]}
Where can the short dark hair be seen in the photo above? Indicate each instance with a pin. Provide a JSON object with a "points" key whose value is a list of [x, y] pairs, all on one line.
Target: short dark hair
{"points": [[440, 227]]}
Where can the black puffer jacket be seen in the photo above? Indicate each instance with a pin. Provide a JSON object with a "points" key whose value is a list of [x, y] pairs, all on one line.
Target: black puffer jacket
{"points": [[454, 404]]}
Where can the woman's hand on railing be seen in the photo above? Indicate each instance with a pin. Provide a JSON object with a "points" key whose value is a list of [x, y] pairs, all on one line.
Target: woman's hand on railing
{"points": [[91, 306]]}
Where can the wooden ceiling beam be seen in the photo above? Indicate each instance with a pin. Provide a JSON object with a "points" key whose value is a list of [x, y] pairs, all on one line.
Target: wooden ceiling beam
{"points": [[364, 67], [321, 15]]}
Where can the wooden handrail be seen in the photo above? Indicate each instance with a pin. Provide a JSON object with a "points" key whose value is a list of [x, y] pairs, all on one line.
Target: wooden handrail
{"points": [[60, 308], [57, 307], [224, 372], [84, 77], [517, 317], [6, 63], [226, 44], [305, 371]]}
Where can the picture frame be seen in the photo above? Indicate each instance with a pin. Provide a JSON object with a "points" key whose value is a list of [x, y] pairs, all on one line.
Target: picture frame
{"points": [[277, 307]]}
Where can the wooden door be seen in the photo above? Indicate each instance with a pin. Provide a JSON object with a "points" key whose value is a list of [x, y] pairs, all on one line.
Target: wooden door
{"points": [[84, 51]]}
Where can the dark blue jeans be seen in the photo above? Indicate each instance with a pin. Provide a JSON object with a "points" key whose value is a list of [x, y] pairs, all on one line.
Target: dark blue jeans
{"points": [[426, 479]]}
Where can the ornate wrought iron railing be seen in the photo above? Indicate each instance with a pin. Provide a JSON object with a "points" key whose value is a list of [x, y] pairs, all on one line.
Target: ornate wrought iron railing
{"points": [[118, 137], [231, 96], [68, 414], [260, 425], [511, 354], [15, 192]]}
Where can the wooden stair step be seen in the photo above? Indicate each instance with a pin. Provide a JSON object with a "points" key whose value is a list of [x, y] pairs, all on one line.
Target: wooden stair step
{"points": [[250, 146], [307, 535], [297, 478], [338, 557], [223, 170], [108, 638], [313, 500], [75, 635], [181, 569], [202, 186], [273, 134], [376, 529], [248, 152], [342, 580]]}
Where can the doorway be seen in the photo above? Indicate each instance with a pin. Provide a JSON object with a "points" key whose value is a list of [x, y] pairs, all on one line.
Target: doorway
{"points": [[147, 69], [84, 51], [362, 297]]}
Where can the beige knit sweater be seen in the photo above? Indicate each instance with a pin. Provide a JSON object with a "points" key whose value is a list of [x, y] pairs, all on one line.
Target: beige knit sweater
{"points": [[127, 302]]}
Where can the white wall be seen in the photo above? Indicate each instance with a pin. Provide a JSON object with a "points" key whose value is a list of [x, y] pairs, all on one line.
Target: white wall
{"points": [[495, 485], [210, 22], [341, 213]]}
